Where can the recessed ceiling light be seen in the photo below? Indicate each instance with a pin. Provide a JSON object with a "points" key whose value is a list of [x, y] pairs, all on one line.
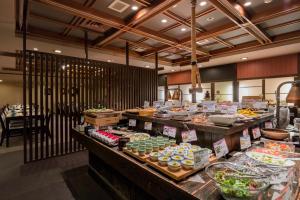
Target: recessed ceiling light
{"points": [[210, 19], [183, 29], [203, 3], [164, 21], [1, 81], [57, 51], [63, 67], [173, 70], [147, 66], [268, 1], [35, 49], [248, 3], [108, 60], [134, 8], [245, 58], [174, 6], [202, 42]]}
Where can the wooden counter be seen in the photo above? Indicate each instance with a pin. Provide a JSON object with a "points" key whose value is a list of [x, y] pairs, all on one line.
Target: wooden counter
{"points": [[127, 178], [206, 134]]}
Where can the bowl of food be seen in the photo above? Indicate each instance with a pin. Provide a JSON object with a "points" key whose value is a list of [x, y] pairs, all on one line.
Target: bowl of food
{"points": [[154, 156], [237, 182], [174, 166], [177, 158], [275, 134], [141, 151], [187, 164], [163, 160]]}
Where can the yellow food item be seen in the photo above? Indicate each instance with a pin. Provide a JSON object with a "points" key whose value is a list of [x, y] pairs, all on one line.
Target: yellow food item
{"points": [[247, 112]]}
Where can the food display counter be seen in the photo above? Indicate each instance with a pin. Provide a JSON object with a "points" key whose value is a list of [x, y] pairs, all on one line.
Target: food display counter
{"points": [[207, 134], [129, 178]]}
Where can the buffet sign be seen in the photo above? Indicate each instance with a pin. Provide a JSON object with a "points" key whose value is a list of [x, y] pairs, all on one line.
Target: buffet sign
{"points": [[256, 133], [245, 132], [146, 104], [169, 131], [157, 104], [189, 136], [201, 158], [132, 122], [245, 142], [220, 148], [209, 106], [148, 126]]}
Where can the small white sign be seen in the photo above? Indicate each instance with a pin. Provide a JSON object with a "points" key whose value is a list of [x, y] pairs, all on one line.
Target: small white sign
{"points": [[148, 126], [189, 136], [245, 132], [168, 103], [256, 133], [132, 122], [268, 125], [170, 131], [209, 106], [146, 104], [245, 142], [232, 109], [220, 148], [156, 104], [193, 108]]}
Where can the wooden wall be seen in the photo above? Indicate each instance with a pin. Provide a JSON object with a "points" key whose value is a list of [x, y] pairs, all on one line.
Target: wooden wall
{"points": [[280, 66]]}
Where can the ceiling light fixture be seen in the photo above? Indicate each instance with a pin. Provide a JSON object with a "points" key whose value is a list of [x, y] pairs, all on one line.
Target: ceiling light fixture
{"points": [[248, 3], [63, 67], [35, 49], [268, 1], [147, 66], [57, 51], [203, 3], [134, 8], [244, 58], [1, 81], [173, 70], [108, 60], [183, 29], [174, 6], [209, 19], [201, 42], [164, 21]]}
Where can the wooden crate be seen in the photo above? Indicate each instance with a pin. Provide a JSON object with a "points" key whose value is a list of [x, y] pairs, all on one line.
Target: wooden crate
{"points": [[106, 121], [178, 175]]}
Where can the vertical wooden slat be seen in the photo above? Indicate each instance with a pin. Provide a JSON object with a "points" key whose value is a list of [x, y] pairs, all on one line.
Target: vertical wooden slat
{"points": [[56, 107], [47, 104], [66, 134], [51, 107], [71, 105], [30, 107], [61, 103], [42, 66], [36, 133]]}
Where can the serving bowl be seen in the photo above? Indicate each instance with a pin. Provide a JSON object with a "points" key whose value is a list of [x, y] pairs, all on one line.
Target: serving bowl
{"points": [[275, 134]]}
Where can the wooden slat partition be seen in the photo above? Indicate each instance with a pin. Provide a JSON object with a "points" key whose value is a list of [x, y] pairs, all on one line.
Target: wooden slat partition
{"points": [[60, 88]]}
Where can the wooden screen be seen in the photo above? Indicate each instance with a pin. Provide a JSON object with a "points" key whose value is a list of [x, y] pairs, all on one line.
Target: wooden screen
{"points": [[58, 88]]}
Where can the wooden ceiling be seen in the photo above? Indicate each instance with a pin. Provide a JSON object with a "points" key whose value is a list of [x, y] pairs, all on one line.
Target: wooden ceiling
{"points": [[223, 27]]}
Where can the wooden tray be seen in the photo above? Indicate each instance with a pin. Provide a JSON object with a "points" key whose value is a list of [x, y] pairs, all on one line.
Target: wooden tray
{"points": [[178, 176], [101, 121]]}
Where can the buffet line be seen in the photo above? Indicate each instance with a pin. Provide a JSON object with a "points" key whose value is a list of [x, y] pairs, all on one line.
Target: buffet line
{"points": [[167, 140]]}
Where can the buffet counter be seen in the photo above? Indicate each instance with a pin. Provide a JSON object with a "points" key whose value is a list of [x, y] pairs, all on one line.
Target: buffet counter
{"points": [[207, 134], [127, 178]]}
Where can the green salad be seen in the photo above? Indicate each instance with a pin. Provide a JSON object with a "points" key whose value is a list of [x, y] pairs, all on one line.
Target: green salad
{"points": [[235, 186]]}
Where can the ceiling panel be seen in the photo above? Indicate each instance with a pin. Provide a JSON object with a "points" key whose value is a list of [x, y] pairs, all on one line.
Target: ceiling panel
{"points": [[280, 20], [183, 8], [102, 6], [213, 47], [258, 6], [50, 12], [174, 56], [131, 37], [80, 34], [178, 33], [212, 20], [285, 29], [240, 40], [232, 34], [153, 43], [155, 22], [118, 43]]}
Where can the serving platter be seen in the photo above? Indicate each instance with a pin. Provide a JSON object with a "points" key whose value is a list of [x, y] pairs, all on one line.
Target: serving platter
{"points": [[178, 175]]}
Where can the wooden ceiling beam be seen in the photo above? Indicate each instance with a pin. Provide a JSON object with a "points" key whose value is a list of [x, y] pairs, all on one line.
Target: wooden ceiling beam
{"points": [[42, 34], [144, 3], [136, 44], [241, 20], [140, 17], [288, 8]]}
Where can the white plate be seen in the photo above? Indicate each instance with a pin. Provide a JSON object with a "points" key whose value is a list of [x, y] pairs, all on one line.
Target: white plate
{"points": [[258, 157]]}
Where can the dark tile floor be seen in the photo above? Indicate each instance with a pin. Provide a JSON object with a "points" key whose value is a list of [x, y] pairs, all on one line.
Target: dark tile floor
{"points": [[57, 178]]}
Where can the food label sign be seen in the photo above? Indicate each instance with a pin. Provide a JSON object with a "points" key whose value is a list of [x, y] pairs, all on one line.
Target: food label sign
{"points": [[148, 126], [189, 136], [245, 142], [220, 148], [245, 132], [256, 133], [146, 104], [268, 125], [132, 122], [170, 131], [209, 106]]}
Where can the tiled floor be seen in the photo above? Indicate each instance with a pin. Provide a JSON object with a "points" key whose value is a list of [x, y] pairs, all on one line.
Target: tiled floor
{"points": [[47, 179]]}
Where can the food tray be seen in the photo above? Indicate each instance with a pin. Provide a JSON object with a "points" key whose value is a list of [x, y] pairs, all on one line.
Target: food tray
{"points": [[178, 176], [101, 121]]}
